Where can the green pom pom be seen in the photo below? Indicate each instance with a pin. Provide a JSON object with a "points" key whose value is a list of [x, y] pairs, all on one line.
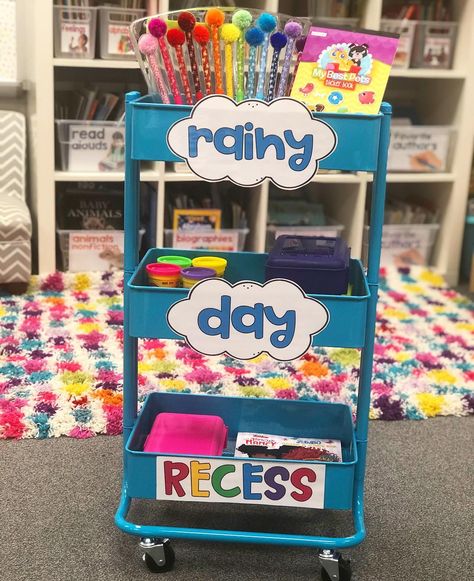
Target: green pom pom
{"points": [[242, 19]]}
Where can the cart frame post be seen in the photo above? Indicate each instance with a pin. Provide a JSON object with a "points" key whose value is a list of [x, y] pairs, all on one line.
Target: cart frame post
{"points": [[131, 226]]}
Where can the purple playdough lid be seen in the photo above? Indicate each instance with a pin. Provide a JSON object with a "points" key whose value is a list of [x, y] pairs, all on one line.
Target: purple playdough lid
{"points": [[198, 272]]}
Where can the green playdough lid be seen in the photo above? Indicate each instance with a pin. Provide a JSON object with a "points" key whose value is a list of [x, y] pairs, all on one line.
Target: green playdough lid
{"points": [[181, 261]]}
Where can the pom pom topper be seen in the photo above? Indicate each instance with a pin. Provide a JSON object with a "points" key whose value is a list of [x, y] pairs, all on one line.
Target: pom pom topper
{"points": [[214, 19], [293, 30], [242, 19], [148, 45], [176, 39], [254, 37], [229, 34], [187, 22], [201, 36], [278, 41], [267, 23], [157, 27]]}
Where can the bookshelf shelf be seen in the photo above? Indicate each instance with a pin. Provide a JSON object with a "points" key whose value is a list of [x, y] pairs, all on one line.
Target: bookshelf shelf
{"points": [[420, 178], [146, 175], [343, 195], [429, 74], [94, 63]]}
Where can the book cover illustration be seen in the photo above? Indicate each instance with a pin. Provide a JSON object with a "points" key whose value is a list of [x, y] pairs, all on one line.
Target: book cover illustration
{"points": [[250, 445], [344, 71], [196, 219]]}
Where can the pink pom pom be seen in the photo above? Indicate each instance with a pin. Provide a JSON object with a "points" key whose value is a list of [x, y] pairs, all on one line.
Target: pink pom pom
{"points": [[157, 27], [147, 44]]}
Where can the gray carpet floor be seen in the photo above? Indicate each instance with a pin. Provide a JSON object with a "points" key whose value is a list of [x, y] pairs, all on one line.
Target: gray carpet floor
{"points": [[58, 498]]}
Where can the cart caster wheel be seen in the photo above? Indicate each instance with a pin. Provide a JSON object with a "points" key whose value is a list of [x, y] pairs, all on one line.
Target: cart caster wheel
{"points": [[334, 567], [159, 555]]}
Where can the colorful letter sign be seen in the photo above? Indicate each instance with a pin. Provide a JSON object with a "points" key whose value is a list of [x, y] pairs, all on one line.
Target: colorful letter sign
{"points": [[252, 140], [246, 482], [248, 318]]}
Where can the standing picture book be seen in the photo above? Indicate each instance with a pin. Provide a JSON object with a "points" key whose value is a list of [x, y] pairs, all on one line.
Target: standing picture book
{"points": [[196, 219], [344, 71], [250, 445]]}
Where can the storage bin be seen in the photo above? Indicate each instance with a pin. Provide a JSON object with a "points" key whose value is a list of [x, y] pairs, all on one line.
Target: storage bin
{"points": [[74, 32], [406, 30], [434, 45], [91, 145], [114, 32], [318, 265], [420, 148], [226, 239], [404, 244], [331, 230], [91, 249], [336, 22]]}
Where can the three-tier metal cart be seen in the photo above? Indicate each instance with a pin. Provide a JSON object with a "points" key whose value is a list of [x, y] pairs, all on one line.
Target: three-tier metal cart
{"points": [[362, 145]]}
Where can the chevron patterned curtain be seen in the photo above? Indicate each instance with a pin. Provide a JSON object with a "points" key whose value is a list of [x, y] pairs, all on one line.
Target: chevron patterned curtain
{"points": [[12, 154]]}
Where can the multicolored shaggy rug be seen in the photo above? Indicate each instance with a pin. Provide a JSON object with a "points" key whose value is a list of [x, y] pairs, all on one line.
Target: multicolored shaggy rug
{"points": [[60, 358]]}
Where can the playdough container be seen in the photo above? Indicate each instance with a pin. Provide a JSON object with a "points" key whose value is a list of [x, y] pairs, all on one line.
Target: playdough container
{"points": [[166, 275], [318, 264], [181, 261], [214, 262], [195, 274], [173, 433]]}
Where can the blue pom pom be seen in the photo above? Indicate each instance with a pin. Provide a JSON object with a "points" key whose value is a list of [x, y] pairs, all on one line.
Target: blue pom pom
{"points": [[254, 36], [267, 22], [278, 40]]}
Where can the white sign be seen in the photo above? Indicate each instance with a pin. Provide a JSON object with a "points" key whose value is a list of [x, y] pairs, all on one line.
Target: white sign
{"points": [[248, 318], [250, 141], [96, 147], [95, 250], [118, 41], [75, 37], [423, 149], [245, 482], [213, 240]]}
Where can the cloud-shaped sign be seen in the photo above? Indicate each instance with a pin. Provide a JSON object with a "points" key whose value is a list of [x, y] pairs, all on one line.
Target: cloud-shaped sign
{"points": [[248, 318], [250, 141]]}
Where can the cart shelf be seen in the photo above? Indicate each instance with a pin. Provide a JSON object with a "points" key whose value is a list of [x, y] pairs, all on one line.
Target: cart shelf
{"points": [[357, 135], [149, 304], [303, 419]]}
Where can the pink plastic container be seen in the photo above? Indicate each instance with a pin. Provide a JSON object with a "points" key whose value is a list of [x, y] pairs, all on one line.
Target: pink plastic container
{"points": [[187, 434]]}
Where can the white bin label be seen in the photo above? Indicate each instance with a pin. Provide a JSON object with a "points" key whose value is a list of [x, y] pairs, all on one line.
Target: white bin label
{"points": [[251, 141], [246, 482], [247, 319]]}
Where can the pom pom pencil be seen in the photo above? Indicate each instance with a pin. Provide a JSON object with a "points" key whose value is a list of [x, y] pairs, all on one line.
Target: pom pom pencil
{"points": [[299, 46], [254, 37], [157, 27], [242, 19], [187, 22], [267, 23], [202, 36], [292, 30], [148, 45], [176, 38], [278, 41], [215, 19], [229, 34]]}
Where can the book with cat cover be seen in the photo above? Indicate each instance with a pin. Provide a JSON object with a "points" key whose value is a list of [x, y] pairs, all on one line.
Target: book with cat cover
{"points": [[344, 71]]}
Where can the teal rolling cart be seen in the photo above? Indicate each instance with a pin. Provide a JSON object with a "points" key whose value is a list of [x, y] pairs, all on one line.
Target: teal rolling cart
{"points": [[361, 145]]}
